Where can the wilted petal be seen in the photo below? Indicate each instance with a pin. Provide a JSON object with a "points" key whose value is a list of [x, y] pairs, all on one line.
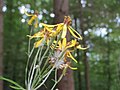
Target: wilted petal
{"points": [[74, 33]]}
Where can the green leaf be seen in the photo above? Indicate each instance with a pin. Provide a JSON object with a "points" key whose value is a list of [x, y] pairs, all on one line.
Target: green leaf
{"points": [[12, 82], [16, 88]]}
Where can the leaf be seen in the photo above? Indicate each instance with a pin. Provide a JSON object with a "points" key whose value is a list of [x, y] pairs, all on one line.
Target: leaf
{"points": [[16, 88], [12, 82]]}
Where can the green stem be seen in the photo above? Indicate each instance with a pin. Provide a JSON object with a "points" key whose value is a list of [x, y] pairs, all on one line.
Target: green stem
{"points": [[33, 69], [28, 52], [48, 74], [59, 79], [40, 76]]}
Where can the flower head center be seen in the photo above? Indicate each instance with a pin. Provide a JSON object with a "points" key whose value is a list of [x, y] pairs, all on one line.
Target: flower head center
{"points": [[67, 20]]}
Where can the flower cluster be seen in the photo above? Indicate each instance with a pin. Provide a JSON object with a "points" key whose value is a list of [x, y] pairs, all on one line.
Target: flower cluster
{"points": [[54, 49], [55, 37]]}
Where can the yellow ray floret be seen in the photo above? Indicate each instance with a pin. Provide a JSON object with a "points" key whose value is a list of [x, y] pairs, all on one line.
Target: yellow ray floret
{"points": [[68, 54], [38, 43], [33, 18]]}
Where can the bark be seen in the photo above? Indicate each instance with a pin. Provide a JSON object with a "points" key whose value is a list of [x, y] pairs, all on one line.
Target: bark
{"points": [[108, 63], [61, 8], [87, 78], [85, 58], [1, 43], [78, 58]]}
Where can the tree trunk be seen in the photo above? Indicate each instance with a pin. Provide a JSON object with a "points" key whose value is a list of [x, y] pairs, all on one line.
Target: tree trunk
{"points": [[85, 59], [108, 63], [61, 9], [1, 43], [78, 58]]}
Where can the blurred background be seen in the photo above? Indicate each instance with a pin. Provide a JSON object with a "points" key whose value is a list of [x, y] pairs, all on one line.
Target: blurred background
{"points": [[98, 21]]}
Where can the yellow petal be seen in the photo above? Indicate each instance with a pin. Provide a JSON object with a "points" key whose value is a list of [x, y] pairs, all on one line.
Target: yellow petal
{"points": [[37, 35], [38, 43], [60, 45], [46, 25], [36, 23], [70, 55], [64, 43], [48, 29], [72, 44], [79, 47], [59, 27], [48, 41], [74, 33], [31, 20], [64, 32], [72, 68], [27, 13]]}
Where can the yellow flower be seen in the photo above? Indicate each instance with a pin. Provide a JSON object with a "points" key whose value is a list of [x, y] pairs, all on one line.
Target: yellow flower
{"points": [[54, 28], [44, 36], [63, 46], [68, 47], [66, 26], [34, 17], [63, 27], [63, 52]]}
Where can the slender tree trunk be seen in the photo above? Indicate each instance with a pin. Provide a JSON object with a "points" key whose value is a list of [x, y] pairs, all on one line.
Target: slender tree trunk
{"points": [[61, 9], [108, 63], [1, 43], [85, 58], [78, 58]]}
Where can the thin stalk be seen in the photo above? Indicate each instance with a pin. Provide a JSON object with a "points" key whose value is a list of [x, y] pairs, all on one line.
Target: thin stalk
{"points": [[40, 77], [40, 56], [33, 70], [56, 74], [26, 69], [38, 69], [43, 58], [45, 79], [58, 79]]}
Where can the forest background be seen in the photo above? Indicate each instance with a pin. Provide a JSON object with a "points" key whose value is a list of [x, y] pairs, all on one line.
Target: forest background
{"points": [[98, 21]]}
